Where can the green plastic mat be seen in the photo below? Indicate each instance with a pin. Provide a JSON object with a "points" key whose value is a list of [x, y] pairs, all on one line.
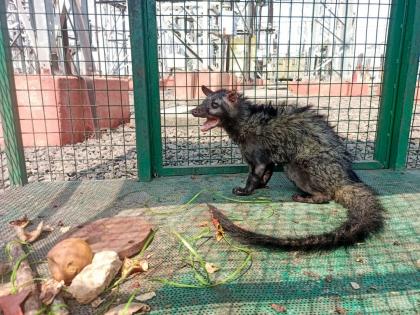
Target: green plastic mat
{"points": [[385, 268]]}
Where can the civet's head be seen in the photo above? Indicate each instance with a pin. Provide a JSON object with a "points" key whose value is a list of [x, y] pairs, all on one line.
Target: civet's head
{"points": [[217, 107]]}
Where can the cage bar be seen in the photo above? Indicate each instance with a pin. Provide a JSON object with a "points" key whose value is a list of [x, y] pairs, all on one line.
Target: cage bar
{"points": [[10, 124], [406, 85], [138, 20]]}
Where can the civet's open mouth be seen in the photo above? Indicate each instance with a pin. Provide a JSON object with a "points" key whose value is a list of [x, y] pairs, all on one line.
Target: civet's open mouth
{"points": [[210, 123]]}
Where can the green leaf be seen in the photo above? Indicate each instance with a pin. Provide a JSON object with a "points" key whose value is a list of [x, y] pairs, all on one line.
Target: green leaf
{"points": [[130, 300], [190, 248], [257, 200], [147, 243], [206, 282]]}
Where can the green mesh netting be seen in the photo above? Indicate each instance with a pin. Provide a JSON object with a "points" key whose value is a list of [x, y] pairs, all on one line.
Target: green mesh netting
{"points": [[385, 267]]}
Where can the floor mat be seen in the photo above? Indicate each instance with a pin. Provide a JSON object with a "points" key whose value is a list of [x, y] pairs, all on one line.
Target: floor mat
{"points": [[379, 276]]}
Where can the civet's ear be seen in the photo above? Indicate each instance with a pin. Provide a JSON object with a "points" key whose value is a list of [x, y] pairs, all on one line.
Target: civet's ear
{"points": [[232, 97], [206, 90]]}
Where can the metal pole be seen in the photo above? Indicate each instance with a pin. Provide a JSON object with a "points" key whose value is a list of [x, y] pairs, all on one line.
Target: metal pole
{"points": [[142, 17], [406, 86], [8, 108], [398, 88]]}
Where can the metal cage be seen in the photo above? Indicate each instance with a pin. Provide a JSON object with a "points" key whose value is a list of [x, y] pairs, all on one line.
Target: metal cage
{"points": [[103, 89]]}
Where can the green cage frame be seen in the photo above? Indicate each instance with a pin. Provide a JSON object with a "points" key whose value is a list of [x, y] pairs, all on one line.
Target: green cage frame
{"points": [[395, 112]]}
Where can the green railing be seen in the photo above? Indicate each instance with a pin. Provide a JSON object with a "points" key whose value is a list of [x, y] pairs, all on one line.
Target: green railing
{"points": [[8, 110], [364, 54], [399, 84]]}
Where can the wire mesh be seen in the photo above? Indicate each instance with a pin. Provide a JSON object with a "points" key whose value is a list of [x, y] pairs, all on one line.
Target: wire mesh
{"points": [[72, 65], [413, 156], [326, 53], [72, 71]]}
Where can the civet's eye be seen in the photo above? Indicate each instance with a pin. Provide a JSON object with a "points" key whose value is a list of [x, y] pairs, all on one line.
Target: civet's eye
{"points": [[214, 105]]}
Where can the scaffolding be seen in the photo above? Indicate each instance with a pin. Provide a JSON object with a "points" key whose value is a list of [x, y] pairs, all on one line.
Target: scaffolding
{"points": [[248, 38], [71, 37]]}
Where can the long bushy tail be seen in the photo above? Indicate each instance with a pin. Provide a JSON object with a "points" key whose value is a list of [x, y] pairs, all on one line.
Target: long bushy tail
{"points": [[364, 217]]}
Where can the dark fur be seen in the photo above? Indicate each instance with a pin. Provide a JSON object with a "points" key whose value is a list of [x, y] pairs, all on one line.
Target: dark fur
{"points": [[313, 157]]}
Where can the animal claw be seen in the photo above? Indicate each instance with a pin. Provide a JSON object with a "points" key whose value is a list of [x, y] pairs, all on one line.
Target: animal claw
{"points": [[239, 191], [297, 198]]}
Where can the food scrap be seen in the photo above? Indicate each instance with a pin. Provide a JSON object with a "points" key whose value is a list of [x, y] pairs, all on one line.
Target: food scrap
{"points": [[211, 268], [49, 290], [219, 230], [133, 265], [25, 236], [96, 302], [145, 296], [279, 308], [361, 260]]}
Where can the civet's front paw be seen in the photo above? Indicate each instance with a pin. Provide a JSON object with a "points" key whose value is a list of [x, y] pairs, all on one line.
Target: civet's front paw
{"points": [[239, 191]]}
